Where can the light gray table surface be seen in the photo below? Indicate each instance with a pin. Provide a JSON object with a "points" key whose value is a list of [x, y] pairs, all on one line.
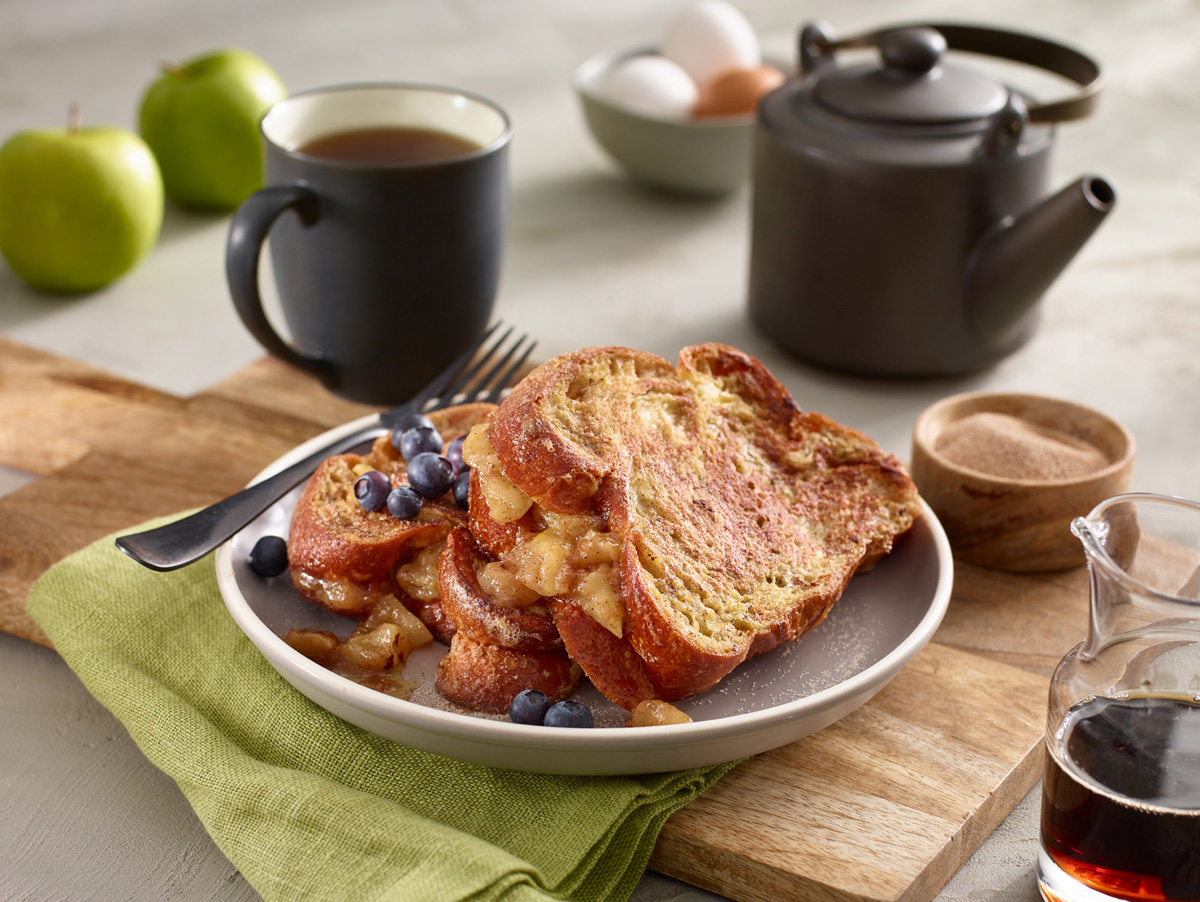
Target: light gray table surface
{"points": [[591, 259]]}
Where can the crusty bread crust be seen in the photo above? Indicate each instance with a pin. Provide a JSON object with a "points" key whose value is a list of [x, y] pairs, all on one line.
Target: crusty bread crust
{"points": [[485, 677], [560, 468], [479, 616], [495, 538], [333, 542], [740, 518], [610, 662]]}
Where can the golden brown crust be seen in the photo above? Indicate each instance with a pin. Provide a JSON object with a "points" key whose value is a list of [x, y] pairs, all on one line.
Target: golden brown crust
{"points": [[675, 663], [487, 678], [478, 616], [495, 538], [334, 542], [740, 517], [332, 535], [562, 472], [612, 665], [341, 556]]}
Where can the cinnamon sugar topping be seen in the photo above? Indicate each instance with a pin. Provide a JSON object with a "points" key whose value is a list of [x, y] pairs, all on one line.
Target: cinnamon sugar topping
{"points": [[1003, 445]]}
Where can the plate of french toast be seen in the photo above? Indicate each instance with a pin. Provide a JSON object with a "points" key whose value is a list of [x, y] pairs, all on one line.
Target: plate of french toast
{"points": [[628, 565]]}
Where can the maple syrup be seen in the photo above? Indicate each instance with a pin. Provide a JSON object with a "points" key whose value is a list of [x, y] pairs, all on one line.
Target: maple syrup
{"points": [[1121, 797]]}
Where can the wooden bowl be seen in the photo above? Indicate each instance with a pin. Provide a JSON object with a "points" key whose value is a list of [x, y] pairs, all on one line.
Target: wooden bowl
{"points": [[1018, 524]]}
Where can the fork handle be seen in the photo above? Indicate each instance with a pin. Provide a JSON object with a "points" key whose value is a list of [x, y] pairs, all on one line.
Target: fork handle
{"points": [[185, 541]]}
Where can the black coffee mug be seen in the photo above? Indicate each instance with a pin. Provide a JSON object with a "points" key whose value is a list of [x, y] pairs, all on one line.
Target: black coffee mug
{"points": [[386, 271]]}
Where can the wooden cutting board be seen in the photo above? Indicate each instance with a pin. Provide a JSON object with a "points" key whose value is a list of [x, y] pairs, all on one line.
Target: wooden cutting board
{"points": [[886, 804]]}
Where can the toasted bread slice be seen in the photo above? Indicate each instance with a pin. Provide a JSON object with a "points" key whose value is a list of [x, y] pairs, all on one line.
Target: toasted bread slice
{"points": [[695, 513], [509, 614], [346, 558], [485, 677], [614, 668], [505, 639], [496, 538]]}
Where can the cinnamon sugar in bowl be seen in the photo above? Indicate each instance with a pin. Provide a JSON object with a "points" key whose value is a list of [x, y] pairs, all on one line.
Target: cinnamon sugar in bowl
{"points": [[1006, 474]]}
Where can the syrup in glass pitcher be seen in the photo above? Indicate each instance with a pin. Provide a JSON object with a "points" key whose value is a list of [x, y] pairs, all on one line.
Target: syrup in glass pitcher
{"points": [[1121, 794]]}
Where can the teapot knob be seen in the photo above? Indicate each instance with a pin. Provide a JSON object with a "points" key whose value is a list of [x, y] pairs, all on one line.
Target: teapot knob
{"points": [[815, 41], [911, 51]]}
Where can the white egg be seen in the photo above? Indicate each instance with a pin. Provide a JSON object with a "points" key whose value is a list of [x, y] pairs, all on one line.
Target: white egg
{"points": [[651, 85], [711, 37]]}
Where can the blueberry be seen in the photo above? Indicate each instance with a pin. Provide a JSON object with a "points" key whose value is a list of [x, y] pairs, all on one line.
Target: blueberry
{"points": [[407, 422], [405, 503], [371, 489], [568, 714], [529, 707], [430, 474], [454, 454], [268, 557], [462, 488], [418, 440]]}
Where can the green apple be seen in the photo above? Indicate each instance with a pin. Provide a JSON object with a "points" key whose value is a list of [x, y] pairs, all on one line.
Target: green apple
{"points": [[201, 120], [79, 207]]}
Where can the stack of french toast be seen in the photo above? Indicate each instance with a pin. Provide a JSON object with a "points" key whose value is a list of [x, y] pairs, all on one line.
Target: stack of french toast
{"points": [[649, 526]]}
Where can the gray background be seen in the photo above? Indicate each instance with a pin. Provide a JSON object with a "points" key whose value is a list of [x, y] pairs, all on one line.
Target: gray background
{"points": [[591, 260]]}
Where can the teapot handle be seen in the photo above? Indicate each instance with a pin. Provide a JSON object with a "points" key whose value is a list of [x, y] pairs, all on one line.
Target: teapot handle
{"points": [[817, 44]]}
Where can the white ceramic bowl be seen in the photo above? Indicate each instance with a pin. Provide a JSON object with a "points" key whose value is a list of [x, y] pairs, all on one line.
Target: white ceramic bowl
{"points": [[698, 156], [882, 620]]}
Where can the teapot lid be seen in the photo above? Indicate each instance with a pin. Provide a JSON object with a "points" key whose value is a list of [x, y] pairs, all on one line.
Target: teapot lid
{"points": [[914, 86], [910, 84]]}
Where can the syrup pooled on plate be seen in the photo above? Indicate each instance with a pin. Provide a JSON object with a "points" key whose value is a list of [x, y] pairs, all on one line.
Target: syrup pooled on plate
{"points": [[1121, 797]]}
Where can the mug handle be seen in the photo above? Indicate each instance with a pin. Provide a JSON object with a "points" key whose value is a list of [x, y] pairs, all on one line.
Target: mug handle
{"points": [[247, 232]]}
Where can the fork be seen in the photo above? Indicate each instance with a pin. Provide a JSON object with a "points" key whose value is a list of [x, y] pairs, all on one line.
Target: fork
{"points": [[187, 540]]}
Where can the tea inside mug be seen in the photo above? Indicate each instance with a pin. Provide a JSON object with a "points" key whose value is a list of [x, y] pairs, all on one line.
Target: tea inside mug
{"points": [[389, 145], [389, 124]]}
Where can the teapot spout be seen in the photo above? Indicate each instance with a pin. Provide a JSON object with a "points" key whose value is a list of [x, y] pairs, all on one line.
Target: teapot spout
{"points": [[1014, 263]]}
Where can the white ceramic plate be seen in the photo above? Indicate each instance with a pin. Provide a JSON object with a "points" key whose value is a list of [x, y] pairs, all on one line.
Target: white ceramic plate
{"points": [[882, 620]]}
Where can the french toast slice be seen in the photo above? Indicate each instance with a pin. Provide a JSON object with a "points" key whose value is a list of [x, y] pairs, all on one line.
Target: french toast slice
{"points": [[509, 614], [347, 559], [693, 513], [505, 638], [614, 668], [484, 677]]}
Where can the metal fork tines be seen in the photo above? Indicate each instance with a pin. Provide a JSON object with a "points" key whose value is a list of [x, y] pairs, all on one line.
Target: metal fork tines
{"points": [[473, 382], [481, 373]]}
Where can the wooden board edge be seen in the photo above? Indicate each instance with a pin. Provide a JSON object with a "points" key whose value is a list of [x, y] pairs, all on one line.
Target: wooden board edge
{"points": [[982, 823]]}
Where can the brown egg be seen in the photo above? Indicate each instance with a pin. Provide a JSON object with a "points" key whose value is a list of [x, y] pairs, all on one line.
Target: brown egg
{"points": [[738, 91]]}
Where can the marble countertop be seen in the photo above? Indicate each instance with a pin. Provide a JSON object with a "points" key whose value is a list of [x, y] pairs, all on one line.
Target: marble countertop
{"points": [[591, 259]]}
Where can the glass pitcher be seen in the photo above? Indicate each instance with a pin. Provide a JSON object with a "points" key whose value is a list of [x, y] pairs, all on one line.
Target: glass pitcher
{"points": [[1121, 794]]}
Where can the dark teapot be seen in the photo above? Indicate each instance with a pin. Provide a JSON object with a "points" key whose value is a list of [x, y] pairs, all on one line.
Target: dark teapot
{"points": [[901, 223]]}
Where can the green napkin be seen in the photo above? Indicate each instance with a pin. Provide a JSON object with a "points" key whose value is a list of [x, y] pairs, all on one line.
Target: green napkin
{"points": [[308, 806]]}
